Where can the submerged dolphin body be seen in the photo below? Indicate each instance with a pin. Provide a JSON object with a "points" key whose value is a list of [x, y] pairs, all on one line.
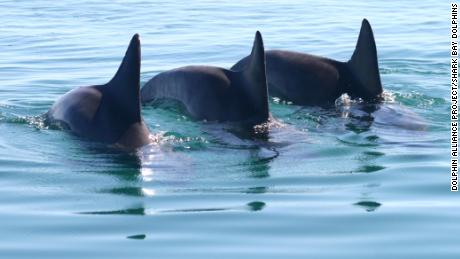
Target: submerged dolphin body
{"points": [[107, 113], [217, 94], [311, 80]]}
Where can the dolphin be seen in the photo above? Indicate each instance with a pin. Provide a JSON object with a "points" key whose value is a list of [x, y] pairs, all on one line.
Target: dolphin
{"points": [[217, 94], [109, 113], [305, 79]]}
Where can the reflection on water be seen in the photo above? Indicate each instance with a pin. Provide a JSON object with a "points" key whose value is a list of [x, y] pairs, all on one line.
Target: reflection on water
{"points": [[137, 177], [133, 211], [131, 191], [258, 163], [137, 237], [251, 206], [124, 166], [369, 168], [259, 189], [369, 206], [256, 205]]}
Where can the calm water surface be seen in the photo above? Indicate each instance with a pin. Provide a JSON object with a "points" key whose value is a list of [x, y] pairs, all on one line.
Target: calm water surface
{"points": [[348, 181]]}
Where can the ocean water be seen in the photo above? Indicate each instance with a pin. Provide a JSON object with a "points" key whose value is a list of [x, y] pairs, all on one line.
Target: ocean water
{"points": [[347, 181]]}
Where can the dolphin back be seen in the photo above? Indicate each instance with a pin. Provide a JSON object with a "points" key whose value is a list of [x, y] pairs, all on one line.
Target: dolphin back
{"points": [[216, 94], [364, 66], [106, 113]]}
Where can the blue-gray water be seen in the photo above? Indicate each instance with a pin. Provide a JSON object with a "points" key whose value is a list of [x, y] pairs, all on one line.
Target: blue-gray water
{"points": [[341, 182]]}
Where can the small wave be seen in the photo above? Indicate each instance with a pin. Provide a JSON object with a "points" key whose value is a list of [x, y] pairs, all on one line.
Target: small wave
{"points": [[178, 141], [412, 66], [418, 100], [37, 122], [345, 100]]}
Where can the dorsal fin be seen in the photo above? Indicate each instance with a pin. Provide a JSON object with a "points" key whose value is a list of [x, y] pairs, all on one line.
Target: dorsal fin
{"points": [[255, 74], [364, 64], [124, 87]]}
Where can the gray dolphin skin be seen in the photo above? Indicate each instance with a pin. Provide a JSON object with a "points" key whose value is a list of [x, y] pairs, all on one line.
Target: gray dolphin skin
{"points": [[217, 94], [107, 113], [305, 79]]}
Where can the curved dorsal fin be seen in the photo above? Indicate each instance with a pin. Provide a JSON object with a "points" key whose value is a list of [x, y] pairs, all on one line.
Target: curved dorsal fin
{"points": [[255, 76], [364, 64], [124, 87]]}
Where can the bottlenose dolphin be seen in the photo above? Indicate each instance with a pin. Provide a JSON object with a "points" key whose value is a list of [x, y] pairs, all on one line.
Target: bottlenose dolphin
{"points": [[305, 79], [107, 113], [214, 93]]}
